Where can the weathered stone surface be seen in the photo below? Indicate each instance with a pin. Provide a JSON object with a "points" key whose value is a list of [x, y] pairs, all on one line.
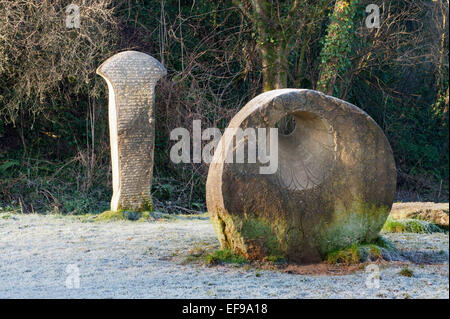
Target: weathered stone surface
{"points": [[131, 77], [432, 212], [334, 185]]}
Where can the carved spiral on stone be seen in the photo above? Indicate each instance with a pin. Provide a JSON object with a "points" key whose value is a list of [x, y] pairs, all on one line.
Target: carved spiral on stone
{"points": [[307, 155]]}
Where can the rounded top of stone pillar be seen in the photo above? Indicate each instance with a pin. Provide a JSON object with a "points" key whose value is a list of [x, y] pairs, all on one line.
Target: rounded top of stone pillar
{"points": [[128, 63]]}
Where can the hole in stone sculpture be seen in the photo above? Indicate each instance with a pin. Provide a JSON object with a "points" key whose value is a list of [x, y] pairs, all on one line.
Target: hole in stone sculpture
{"points": [[286, 125], [306, 155]]}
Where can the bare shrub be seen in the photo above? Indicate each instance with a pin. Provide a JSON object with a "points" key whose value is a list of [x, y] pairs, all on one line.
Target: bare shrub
{"points": [[42, 61]]}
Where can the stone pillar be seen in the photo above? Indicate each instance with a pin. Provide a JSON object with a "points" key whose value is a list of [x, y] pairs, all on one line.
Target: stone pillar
{"points": [[131, 77]]}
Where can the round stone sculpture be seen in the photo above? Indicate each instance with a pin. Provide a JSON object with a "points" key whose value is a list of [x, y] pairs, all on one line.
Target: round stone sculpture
{"points": [[333, 187]]}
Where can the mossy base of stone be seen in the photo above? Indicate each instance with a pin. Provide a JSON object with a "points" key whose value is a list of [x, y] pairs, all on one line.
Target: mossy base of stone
{"points": [[123, 215], [145, 206], [140, 213], [261, 239], [380, 249], [146, 216], [257, 238]]}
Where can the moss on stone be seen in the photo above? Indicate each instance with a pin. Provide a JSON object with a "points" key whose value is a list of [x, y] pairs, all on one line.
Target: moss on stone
{"points": [[348, 256], [111, 215], [146, 206], [358, 253], [261, 233], [221, 232], [258, 238], [359, 224], [123, 215]]}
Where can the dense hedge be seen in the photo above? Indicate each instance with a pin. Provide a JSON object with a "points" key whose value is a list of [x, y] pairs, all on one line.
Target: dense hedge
{"points": [[54, 151]]}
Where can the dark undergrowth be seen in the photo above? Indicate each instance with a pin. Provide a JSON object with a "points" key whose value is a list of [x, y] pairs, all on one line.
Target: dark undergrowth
{"points": [[54, 140]]}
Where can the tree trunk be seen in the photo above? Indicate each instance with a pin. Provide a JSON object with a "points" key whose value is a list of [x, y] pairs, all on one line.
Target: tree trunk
{"points": [[272, 38], [274, 67], [337, 45]]}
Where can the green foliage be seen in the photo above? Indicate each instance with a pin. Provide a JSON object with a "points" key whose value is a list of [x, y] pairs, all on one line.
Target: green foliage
{"points": [[54, 148], [422, 156], [385, 243], [276, 259], [405, 95], [337, 45], [410, 226], [406, 272], [348, 256], [123, 215], [224, 256], [36, 185], [198, 253], [362, 252]]}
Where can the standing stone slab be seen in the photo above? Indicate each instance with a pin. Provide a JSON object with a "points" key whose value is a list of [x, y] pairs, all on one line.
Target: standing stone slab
{"points": [[333, 188], [131, 77]]}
